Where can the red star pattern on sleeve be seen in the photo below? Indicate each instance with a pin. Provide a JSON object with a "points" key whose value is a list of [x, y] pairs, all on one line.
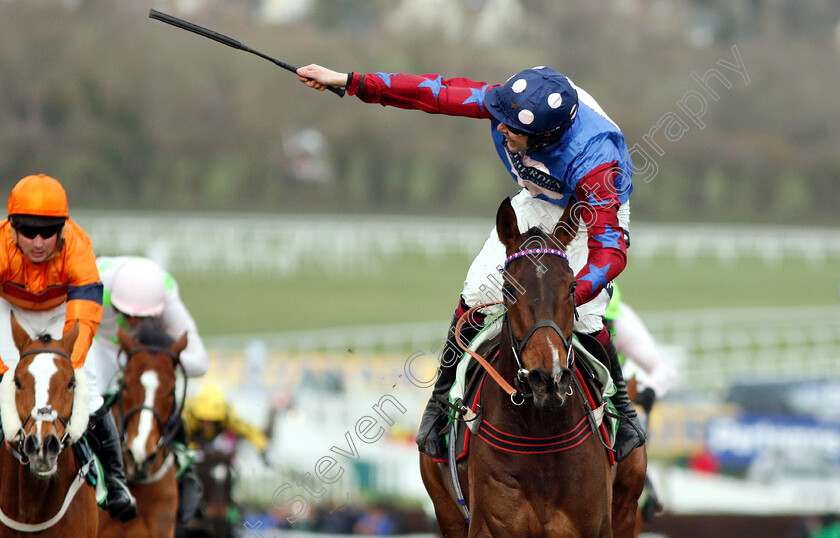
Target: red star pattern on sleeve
{"points": [[429, 93], [607, 249]]}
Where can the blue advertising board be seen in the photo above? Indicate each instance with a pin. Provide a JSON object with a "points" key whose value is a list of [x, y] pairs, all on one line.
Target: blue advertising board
{"points": [[737, 441]]}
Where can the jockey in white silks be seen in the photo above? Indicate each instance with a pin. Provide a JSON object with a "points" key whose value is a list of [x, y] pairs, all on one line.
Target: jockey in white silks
{"points": [[136, 289]]}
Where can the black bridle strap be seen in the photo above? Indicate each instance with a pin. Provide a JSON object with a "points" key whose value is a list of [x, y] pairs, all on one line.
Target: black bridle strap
{"points": [[518, 347], [154, 349], [39, 351], [169, 429], [541, 323], [19, 456]]}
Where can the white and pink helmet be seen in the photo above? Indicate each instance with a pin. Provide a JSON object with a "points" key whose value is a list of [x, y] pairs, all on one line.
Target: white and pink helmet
{"points": [[139, 288]]}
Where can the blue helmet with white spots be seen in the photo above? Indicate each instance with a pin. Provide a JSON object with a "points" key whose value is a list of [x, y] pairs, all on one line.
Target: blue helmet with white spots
{"points": [[535, 101]]}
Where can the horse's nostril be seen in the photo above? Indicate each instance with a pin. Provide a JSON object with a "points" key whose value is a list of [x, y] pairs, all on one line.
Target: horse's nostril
{"points": [[52, 446], [534, 378], [30, 446], [564, 379]]}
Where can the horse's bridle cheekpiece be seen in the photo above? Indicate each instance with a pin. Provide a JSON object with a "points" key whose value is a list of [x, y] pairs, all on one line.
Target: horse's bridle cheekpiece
{"points": [[168, 427], [518, 346], [64, 439]]}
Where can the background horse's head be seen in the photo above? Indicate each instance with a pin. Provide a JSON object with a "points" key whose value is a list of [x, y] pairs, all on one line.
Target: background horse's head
{"points": [[43, 402], [149, 395], [539, 297]]}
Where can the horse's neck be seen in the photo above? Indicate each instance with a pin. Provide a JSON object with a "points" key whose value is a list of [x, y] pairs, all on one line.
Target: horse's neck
{"points": [[28, 499]]}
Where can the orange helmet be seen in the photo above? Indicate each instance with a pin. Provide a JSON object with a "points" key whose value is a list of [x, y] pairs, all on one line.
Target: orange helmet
{"points": [[40, 196]]}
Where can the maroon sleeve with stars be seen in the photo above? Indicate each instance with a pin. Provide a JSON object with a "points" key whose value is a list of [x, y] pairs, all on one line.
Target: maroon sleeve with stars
{"points": [[607, 250], [429, 93]]}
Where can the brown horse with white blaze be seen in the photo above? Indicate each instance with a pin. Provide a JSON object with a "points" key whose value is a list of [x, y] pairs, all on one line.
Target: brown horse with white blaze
{"points": [[146, 411], [44, 408], [537, 466]]}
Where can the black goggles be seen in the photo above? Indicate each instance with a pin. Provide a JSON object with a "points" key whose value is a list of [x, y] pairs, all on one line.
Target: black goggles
{"points": [[31, 232], [516, 131]]}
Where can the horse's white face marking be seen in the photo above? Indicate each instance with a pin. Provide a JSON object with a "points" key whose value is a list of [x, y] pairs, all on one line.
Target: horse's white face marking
{"points": [[150, 383], [555, 360], [42, 368]]}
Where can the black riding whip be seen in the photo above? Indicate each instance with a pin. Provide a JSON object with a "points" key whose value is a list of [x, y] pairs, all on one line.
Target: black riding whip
{"points": [[225, 40]]}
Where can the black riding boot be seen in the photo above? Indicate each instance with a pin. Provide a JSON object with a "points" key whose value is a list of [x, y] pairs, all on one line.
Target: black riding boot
{"points": [[431, 439], [189, 485], [631, 433], [120, 502]]}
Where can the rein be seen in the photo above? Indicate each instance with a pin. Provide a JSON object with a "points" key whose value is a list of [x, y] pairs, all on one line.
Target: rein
{"points": [[497, 377]]}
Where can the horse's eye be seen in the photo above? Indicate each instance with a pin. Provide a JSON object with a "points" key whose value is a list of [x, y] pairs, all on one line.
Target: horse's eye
{"points": [[72, 384], [572, 287], [18, 386], [509, 290]]}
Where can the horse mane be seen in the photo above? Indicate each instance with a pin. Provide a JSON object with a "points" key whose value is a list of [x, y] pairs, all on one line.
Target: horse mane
{"points": [[534, 231], [546, 239], [151, 332]]}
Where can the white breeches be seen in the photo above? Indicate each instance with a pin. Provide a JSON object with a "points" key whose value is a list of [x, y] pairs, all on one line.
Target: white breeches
{"points": [[484, 281], [105, 358], [40, 322]]}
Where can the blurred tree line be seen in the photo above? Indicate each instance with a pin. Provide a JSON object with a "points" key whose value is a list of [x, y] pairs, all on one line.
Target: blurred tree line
{"points": [[130, 113]]}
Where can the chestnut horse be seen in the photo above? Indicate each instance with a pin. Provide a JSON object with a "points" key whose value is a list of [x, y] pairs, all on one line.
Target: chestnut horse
{"points": [[147, 412], [44, 407], [538, 468]]}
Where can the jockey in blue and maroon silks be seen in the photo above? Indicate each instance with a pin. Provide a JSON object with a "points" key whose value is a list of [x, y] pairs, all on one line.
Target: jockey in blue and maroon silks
{"points": [[559, 146]]}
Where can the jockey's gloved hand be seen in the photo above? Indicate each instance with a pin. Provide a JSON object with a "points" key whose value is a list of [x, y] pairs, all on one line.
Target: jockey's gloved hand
{"points": [[645, 399]]}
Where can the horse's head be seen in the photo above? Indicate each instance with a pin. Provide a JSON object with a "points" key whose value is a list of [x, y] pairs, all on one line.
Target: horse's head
{"points": [[539, 297], [44, 402], [149, 406]]}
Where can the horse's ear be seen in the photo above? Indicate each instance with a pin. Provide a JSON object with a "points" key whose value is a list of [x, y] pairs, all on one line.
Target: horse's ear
{"points": [[125, 340], [507, 227], [19, 334], [566, 228], [69, 338], [180, 345]]}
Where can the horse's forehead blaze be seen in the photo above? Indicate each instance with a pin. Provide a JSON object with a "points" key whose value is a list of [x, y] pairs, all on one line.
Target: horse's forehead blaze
{"points": [[140, 384], [141, 441], [43, 368]]}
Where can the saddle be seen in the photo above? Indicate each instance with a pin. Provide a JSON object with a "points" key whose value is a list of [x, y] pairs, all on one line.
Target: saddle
{"points": [[465, 420]]}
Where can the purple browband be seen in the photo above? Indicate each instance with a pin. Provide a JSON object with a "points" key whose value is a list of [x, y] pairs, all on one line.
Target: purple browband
{"points": [[521, 253]]}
